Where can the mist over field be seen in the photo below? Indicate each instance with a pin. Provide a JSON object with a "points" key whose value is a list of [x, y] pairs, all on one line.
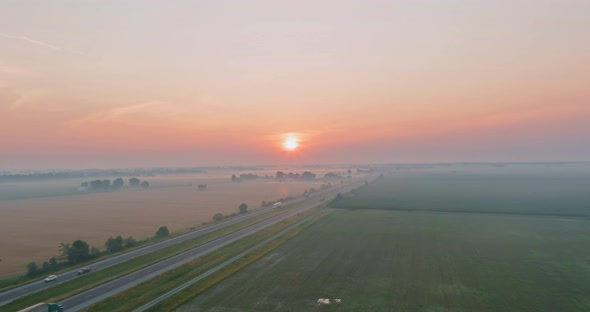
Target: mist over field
{"points": [[538, 189], [40, 211]]}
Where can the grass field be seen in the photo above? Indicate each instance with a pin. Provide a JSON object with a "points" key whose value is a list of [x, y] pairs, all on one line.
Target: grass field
{"points": [[32, 229], [378, 260], [559, 193]]}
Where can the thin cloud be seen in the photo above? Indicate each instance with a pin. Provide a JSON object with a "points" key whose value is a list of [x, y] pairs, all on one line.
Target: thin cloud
{"points": [[41, 44], [121, 113], [27, 98], [16, 71], [132, 109]]}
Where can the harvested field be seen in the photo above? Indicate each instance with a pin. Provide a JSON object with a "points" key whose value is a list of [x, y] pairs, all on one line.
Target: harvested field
{"points": [[32, 229], [378, 260]]}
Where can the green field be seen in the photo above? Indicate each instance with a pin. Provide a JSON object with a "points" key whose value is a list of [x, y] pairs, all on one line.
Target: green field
{"points": [[553, 193], [377, 260]]}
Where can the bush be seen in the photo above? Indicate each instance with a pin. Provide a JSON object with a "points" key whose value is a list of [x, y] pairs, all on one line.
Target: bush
{"points": [[243, 208], [130, 242], [114, 244], [218, 217], [33, 269], [162, 232]]}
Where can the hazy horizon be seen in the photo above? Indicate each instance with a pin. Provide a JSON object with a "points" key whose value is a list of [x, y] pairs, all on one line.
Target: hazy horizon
{"points": [[110, 84]]}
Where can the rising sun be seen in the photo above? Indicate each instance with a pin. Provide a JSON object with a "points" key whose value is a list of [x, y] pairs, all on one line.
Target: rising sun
{"points": [[291, 143]]}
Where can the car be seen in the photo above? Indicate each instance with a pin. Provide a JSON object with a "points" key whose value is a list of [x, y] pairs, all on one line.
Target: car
{"points": [[50, 278], [83, 271]]}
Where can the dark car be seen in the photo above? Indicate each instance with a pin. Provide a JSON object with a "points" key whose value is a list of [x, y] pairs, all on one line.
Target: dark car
{"points": [[83, 271]]}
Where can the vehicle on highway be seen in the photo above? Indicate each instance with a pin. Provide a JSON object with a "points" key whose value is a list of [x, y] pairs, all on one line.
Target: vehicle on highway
{"points": [[54, 307], [50, 278], [83, 271], [277, 205]]}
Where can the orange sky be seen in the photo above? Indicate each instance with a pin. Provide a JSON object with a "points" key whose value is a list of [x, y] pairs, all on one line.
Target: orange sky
{"points": [[150, 83]]}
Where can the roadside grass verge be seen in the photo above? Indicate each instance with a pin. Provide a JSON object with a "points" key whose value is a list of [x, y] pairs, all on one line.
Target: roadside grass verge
{"points": [[83, 283], [147, 291], [13, 281]]}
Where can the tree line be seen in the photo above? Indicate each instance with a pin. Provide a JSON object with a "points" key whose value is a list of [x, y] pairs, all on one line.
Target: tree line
{"points": [[242, 208], [118, 183], [308, 176], [244, 177], [10, 177], [79, 251], [291, 176]]}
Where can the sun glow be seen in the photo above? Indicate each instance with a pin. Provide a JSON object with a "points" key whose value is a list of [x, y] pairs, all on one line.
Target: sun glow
{"points": [[291, 143]]}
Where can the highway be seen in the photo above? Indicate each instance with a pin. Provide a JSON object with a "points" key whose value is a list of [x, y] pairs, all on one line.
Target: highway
{"points": [[180, 288], [10, 295], [108, 289]]}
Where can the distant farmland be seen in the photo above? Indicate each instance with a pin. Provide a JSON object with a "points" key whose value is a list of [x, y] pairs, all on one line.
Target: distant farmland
{"points": [[32, 229], [378, 260], [435, 241], [558, 194]]}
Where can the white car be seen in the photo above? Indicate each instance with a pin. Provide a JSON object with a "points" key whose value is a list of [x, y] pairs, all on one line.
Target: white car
{"points": [[50, 278]]}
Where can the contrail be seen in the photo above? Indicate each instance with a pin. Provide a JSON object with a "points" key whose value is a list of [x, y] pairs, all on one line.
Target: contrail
{"points": [[40, 43]]}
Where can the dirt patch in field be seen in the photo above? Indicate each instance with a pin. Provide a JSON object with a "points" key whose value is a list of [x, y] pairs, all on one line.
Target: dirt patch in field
{"points": [[31, 230]]}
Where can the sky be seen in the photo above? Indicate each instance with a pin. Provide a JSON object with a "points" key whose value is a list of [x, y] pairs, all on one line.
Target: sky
{"points": [[99, 84]]}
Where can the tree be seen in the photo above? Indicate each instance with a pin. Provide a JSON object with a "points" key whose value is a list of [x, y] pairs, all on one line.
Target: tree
{"points": [[332, 175], [349, 172], [53, 261], [218, 217], [308, 175], [64, 248], [84, 184], [32, 269], [94, 252], [145, 184], [338, 196], [114, 244], [243, 208], [130, 242], [162, 232], [134, 182], [106, 184], [45, 267], [280, 175], [75, 252], [248, 176], [118, 183]]}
